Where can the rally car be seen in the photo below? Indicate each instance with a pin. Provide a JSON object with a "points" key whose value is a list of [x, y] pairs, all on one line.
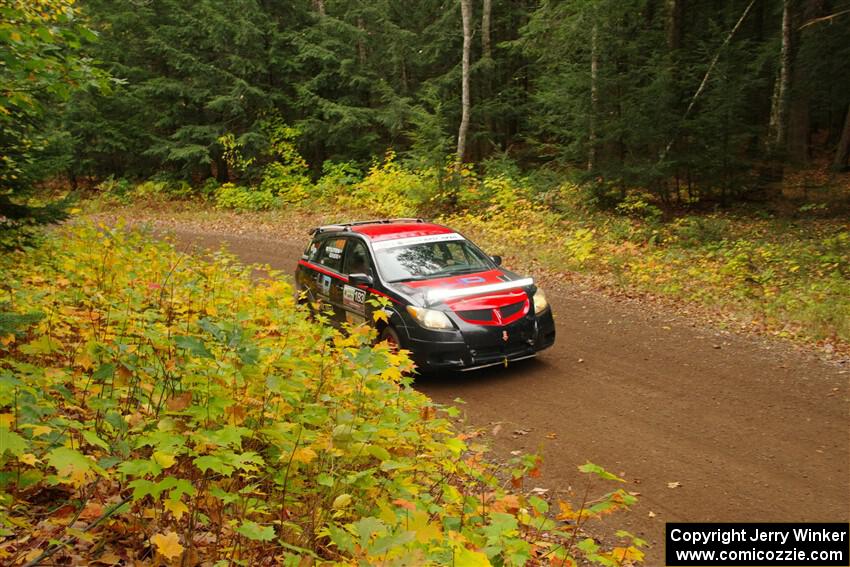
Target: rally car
{"points": [[450, 304]]}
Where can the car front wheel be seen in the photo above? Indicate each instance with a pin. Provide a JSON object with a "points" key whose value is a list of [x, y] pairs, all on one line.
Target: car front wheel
{"points": [[391, 336]]}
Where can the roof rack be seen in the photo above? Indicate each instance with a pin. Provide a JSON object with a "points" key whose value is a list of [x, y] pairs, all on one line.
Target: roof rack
{"points": [[342, 227]]}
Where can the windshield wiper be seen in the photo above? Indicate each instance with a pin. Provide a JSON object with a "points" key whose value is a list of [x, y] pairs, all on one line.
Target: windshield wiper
{"points": [[469, 270], [410, 279], [438, 274]]}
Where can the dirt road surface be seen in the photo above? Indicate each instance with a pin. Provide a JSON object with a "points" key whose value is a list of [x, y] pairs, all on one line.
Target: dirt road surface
{"points": [[707, 426]]}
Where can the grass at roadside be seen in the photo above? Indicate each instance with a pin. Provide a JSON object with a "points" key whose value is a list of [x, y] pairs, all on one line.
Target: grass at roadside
{"points": [[157, 407]]}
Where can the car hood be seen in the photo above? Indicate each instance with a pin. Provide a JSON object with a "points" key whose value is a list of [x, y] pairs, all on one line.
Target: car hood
{"points": [[482, 290]]}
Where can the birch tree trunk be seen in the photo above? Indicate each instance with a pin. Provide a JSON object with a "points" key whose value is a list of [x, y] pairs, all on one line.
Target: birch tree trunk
{"points": [[319, 6], [466, 14], [779, 105], [594, 96]]}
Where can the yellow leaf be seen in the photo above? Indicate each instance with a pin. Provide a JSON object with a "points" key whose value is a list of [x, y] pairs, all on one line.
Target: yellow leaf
{"points": [[304, 455], [176, 507], [630, 554], [28, 459], [168, 545], [341, 501], [6, 420], [468, 558], [41, 430], [163, 459], [380, 315]]}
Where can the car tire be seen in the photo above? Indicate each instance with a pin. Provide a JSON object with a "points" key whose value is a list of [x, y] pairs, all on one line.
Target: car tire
{"points": [[390, 335]]}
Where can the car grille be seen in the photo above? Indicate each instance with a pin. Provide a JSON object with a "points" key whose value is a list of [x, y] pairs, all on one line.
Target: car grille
{"points": [[477, 315], [512, 309], [508, 314]]}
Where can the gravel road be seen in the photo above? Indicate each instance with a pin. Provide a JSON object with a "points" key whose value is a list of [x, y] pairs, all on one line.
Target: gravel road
{"points": [[704, 424]]}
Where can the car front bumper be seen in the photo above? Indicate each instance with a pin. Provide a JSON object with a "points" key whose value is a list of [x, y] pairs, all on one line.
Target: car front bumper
{"points": [[478, 346]]}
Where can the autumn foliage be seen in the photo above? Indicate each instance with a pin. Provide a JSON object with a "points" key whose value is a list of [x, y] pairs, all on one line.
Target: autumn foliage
{"points": [[160, 408]]}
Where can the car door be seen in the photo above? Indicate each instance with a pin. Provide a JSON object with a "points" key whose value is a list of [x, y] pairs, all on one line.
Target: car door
{"points": [[328, 279], [357, 260]]}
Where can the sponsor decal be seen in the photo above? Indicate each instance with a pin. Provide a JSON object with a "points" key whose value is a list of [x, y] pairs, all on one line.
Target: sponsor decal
{"points": [[326, 284], [333, 252], [472, 279], [413, 240], [354, 299]]}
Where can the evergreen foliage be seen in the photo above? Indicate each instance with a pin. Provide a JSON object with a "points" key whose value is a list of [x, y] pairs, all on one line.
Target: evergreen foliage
{"points": [[669, 96]]}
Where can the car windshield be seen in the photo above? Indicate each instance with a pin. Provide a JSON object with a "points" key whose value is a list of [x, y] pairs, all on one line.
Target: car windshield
{"points": [[430, 260]]}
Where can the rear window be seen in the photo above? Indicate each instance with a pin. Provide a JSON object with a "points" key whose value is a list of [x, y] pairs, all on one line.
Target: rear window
{"points": [[329, 253]]}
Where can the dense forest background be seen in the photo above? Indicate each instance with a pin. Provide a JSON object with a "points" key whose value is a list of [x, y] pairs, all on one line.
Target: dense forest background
{"points": [[691, 100]]}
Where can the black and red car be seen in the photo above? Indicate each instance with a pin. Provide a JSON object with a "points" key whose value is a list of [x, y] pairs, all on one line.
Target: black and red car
{"points": [[450, 304]]}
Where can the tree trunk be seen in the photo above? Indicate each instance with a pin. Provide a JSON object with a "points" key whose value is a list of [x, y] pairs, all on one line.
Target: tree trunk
{"points": [[779, 106], [485, 29], [842, 152], [594, 96], [674, 23], [319, 6], [361, 42], [466, 14]]}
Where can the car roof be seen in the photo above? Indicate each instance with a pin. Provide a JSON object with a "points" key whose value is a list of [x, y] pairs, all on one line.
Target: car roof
{"points": [[390, 231], [387, 229]]}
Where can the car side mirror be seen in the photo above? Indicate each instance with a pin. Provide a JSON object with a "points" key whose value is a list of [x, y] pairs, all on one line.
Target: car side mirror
{"points": [[360, 279], [496, 260]]}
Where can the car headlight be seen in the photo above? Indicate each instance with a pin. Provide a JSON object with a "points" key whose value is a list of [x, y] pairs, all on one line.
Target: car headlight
{"points": [[540, 303], [430, 318]]}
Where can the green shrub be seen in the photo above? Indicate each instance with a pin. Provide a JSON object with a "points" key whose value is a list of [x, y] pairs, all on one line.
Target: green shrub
{"points": [[698, 230], [279, 181], [182, 409], [388, 190], [337, 177], [230, 196], [639, 205]]}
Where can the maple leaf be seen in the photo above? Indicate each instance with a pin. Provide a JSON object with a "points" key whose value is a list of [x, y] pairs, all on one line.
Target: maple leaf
{"points": [[167, 545], [176, 507], [304, 455], [71, 466]]}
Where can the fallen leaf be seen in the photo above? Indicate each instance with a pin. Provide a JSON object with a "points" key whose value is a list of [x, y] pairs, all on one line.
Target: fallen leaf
{"points": [[179, 402], [674, 484], [167, 545]]}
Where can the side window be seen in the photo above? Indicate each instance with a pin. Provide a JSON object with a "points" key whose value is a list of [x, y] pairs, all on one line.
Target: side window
{"points": [[330, 253], [356, 258], [311, 253]]}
